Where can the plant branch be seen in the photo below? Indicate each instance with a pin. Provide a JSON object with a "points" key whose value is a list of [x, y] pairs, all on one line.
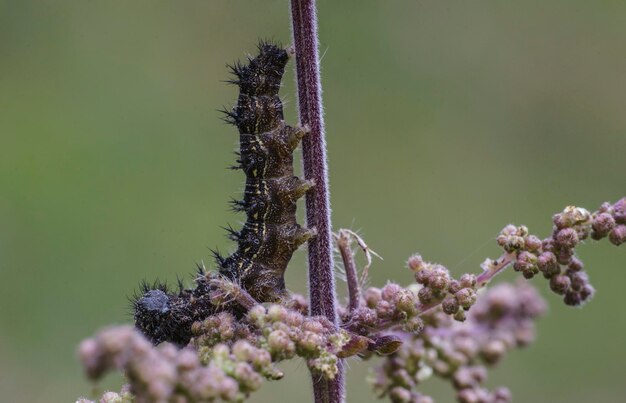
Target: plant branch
{"points": [[321, 276], [491, 268], [354, 292]]}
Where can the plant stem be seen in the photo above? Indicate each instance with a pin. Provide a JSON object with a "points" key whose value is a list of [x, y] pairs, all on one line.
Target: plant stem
{"points": [[493, 268], [354, 293], [321, 276]]}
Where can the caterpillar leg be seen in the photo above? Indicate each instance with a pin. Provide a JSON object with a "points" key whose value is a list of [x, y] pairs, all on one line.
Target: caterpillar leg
{"points": [[300, 235], [293, 135], [293, 188]]}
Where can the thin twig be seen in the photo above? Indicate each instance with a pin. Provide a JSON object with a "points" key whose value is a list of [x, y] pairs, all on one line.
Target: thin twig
{"points": [[354, 290], [492, 268], [368, 255]]}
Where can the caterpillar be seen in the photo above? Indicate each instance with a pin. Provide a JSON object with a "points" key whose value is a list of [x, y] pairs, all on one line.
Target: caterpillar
{"points": [[270, 234]]}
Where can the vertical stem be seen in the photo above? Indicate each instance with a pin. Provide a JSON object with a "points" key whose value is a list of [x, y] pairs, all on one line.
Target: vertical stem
{"points": [[321, 275]]}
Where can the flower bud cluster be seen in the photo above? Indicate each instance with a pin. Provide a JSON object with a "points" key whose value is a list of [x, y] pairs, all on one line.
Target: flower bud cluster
{"points": [[381, 308], [554, 257], [501, 320], [220, 328], [281, 334], [456, 296], [397, 308], [165, 373], [610, 220], [401, 373], [286, 333], [227, 358]]}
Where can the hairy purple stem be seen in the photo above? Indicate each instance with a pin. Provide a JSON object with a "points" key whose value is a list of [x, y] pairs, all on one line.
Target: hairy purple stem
{"points": [[321, 275]]}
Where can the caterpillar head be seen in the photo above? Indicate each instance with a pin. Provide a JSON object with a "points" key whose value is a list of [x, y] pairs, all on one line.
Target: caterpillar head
{"points": [[162, 316]]}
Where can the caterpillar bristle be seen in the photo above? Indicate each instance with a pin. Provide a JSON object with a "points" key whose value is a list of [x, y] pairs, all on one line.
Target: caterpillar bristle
{"points": [[217, 257], [145, 286], [237, 70], [180, 285], [229, 116], [132, 300], [238, 162], [268, 43], [237, 206], [232, 233], [200, 269]]}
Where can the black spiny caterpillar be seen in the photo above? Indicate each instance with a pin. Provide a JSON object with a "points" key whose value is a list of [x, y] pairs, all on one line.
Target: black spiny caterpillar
{"points": [[270, 235]]}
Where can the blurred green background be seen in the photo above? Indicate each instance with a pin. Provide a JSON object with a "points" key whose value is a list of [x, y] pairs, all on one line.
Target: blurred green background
{"points": [[446, 120]]}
